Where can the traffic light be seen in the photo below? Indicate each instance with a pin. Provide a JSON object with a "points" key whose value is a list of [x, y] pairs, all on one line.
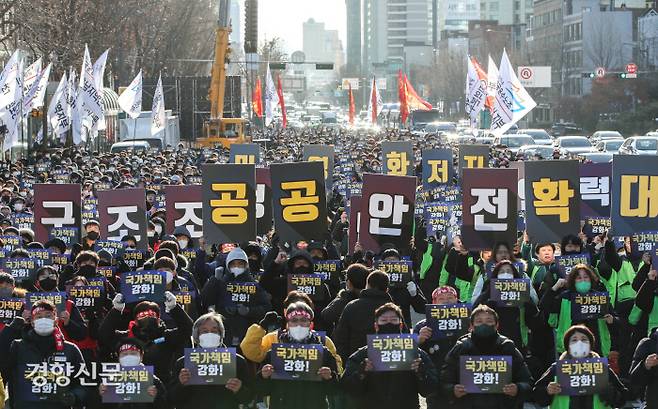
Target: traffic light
{"points": [[588, 75], [324, 66], [251, 26], [622, 75], [277, 66]]}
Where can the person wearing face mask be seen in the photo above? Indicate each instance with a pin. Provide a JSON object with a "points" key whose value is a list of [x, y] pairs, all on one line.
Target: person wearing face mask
{"points": [[468, 268], [326, 251], [8, 289], [255, 256], [577, 343], [85, 265], [557, 305], [42, 342], [223, 294], [275, 277], [161, 344], [390, 389], [152, 236], [208, 332], [515, 322], [92, 234], [436, 348], [291, 394], [543, 270], [18, 204], [175, 283], [72, 324], [130, 352], [501, 251], [484, 339]]}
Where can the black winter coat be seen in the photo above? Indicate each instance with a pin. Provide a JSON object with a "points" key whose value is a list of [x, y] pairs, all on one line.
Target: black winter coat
{"points": [[332, 312], [357, 321], [643, 377]]}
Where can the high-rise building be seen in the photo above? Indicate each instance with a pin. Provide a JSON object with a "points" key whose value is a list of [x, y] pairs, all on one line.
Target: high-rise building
{"points": [[648, 40], [236, 26], [374, 34], [353, 10], [408, 23], [322, 45]]}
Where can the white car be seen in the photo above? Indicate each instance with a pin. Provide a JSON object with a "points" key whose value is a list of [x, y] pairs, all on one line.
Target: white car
{"points": [[572, 145], [599, 136], [609, 145], [514, 142], [540, 136], [639, 145]]}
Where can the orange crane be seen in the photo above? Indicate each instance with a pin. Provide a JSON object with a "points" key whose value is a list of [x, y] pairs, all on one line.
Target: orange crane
{"points": [[217, 129]]}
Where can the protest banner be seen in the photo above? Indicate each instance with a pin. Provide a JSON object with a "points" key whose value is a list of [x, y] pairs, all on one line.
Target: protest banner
{"points": [[300, 362], [392, 352], [485, 374], [210, 366]]}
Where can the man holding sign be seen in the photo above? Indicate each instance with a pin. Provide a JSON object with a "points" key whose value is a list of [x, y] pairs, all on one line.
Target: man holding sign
{"points": [[391, 370], [484, 362]]}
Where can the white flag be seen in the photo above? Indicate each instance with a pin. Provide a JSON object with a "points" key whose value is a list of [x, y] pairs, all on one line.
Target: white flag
{"points": [[271, 97], [158, 117], [59, 115], [34, 98], [476, 93], [374, 102], [91, 96], [131, 98], [74, 103], [11, 93], [31, 75], [99, 75], [512, 100], [492, 78]]}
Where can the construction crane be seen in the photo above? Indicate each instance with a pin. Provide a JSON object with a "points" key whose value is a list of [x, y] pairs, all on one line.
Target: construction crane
{"points": [[217, 129]]}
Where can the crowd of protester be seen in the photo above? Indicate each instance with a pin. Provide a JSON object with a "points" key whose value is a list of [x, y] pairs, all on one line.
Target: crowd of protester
{"points": [[359, 300]]}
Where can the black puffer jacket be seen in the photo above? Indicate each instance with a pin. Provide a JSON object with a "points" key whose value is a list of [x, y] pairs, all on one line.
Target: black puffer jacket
{"points": [[275, 278], [643, 377], [331, 313], [357, 321]]}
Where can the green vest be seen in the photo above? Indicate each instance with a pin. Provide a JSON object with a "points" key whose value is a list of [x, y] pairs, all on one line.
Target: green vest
{"points": [[563, 402], [426, 263], [444, 277], [562, 322], [636, 314], [464, 287], [620, 284]]}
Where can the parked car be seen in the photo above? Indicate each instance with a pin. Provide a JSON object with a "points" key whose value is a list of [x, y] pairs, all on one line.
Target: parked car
{"points": [[136, 146], [540, 136], [573, 145], [565, 128], [639, 145], [533, 151], [596, 157], [609, 145], [513, 142]]}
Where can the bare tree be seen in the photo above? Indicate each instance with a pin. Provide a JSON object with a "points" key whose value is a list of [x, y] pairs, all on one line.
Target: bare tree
{"points": [[603, 46]]}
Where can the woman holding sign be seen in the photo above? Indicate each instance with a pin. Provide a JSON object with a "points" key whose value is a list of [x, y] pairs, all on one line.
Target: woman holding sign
{"points": [[580, 299], [580, 378], [190, 389]]}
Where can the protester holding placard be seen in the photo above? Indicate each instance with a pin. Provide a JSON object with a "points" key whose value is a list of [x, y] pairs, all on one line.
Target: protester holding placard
{"points": [[208, 334], [469, 267], [8, 291], [161, 344], [237, 296], [484, 340], [515, 306], [176, 284], [501, 251], [389, 389], [580, 378], [541, 265], [404, 296], [286, 392], [275, 277], [123, 391], [42, 346], [580, 299]]}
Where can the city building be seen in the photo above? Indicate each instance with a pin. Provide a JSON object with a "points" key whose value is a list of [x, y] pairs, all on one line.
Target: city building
{"points": [[647, 44], [236, 25], [488, 38], [353, 22]]}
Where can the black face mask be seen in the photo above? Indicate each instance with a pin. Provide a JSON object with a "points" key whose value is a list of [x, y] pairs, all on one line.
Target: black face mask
{"points": [[254, 265], [302, 270], [484, 337], [48, 284], [87, 271], [389, 329], [92, 235], [5, 199]]}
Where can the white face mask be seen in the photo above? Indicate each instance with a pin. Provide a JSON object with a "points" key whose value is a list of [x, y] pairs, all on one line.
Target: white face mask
{"points": [[170, 277], [44, 326], [150, 233], [579, 349], [209, 340], [299, 333], [130, 360], [236, 271], [18, 207], [182, 244], [505, 276], [158, 229]]}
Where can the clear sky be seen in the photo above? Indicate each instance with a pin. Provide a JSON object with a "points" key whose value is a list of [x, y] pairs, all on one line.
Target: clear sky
{"points": [[284, 18]]}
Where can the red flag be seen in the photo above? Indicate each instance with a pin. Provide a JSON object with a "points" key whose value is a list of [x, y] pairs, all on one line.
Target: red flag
{"points": [[352, 109], [402, 94], [373, 102], [279, 90], [482, 75], [414, 101], [257, 99]]}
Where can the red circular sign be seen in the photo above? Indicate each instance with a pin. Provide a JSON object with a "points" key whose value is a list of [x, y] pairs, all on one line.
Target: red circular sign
{"points": [[631, 68], [526, 73]]}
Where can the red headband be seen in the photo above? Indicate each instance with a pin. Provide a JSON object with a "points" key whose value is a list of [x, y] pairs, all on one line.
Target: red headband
{"points": [[298, 313], [37, 310], [129, 347], [444, 290], [146, 314]]}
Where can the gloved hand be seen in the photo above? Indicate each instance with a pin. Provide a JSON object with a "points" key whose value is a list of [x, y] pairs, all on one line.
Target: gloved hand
{"points": [[170, 301], [219, 273], [118, 303], [271, 319], [412, 288], [243, 310], [231, 309]]}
